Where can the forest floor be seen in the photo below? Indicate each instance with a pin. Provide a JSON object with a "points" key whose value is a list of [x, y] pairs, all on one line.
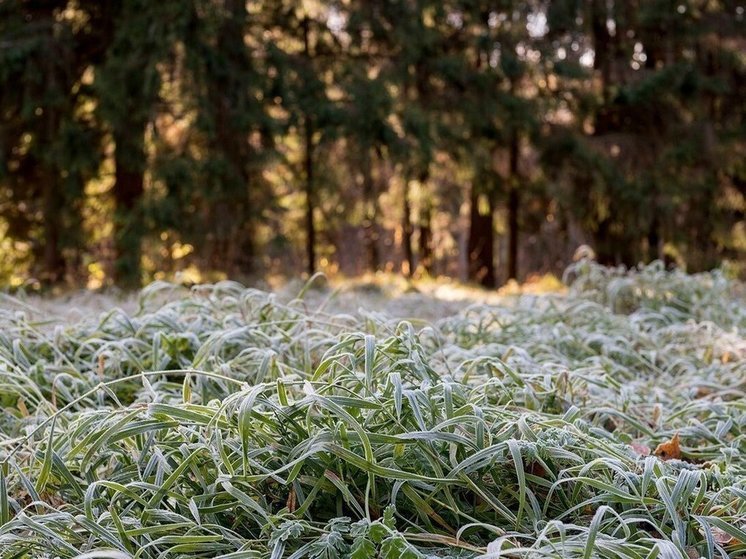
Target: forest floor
{"points": [[389, 294]]}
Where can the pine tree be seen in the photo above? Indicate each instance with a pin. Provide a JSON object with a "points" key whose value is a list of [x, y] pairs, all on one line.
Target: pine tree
{"points": [[48, 144]]}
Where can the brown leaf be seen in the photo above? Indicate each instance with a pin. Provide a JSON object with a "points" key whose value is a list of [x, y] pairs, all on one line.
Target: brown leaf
{"points": [[55, 500], [291, 503], [670, 450], [537, 469], [657, 410], [722, 537]]}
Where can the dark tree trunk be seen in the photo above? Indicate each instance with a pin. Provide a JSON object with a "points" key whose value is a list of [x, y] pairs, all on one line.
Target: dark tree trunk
{"points": [[129, 161], [370, 222], [228, 96], [653, 241], [308, 165], [604, 252], [602, 60], [53, 197], [425, 247], [310, 198], [407, 231], [481, 245], [513, 209], [601, 41], [52, 208], [53, 262]]}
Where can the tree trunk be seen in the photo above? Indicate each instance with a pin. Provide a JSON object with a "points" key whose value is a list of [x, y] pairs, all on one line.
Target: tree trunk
{"points": [[481, 245], [53, 262], [228, 96], [310, 200], [425, 247], [52, 207], [371, 213], [53, 198], [602, 60], [308, 164], [653, 236], [407, 230], [129, 161], [604, 244], [513, 208], [513, 205]]}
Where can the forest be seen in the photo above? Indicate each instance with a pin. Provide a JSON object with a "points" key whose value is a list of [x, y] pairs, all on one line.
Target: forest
{"points": [[481, 140]]}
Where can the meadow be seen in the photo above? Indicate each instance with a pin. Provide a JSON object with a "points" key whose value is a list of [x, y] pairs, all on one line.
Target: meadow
{"points": [[221, 421]]}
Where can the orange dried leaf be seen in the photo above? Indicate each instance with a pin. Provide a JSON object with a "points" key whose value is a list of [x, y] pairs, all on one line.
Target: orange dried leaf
{"points": [[670, 450]]}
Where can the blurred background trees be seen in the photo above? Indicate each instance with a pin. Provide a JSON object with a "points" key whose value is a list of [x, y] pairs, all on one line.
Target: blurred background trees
{"points": [[481, 140]]}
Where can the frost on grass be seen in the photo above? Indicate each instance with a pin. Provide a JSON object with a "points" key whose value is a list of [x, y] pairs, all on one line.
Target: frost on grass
{"points": [[228, 422]]}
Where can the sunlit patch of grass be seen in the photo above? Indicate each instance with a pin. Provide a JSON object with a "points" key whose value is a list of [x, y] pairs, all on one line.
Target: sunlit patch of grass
{"points": [[226, 421]]}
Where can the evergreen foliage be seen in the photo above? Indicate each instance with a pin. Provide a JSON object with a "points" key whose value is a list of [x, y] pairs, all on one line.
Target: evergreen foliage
{"points": [[472, 138]]}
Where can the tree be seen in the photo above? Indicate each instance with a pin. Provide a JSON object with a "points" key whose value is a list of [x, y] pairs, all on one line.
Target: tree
{"points": [[303, 60], [241, 137], [127, 85], [47, 138], [369, 105]]}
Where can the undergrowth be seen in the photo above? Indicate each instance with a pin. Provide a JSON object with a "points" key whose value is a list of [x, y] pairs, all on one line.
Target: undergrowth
{"points": [[222, 421]]}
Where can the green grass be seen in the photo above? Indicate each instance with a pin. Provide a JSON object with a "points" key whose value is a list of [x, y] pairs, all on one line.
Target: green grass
{"points": [[225, 422]]}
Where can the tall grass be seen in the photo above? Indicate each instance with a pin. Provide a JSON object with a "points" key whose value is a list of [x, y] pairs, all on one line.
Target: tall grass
{"points": [[224, 422]]}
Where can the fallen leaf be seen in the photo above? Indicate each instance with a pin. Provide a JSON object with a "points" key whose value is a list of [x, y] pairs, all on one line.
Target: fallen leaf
{"points": [[670, 450], [722, 537], [291, 502], [657, 410], [640, 449], [534, 468]]}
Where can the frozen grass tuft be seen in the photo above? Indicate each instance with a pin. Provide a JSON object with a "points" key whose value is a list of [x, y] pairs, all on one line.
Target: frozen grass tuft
{"points": [[222, 421]]}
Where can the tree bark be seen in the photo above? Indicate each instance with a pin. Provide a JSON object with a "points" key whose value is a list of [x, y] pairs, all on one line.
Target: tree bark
{"points": [[227, 95], [407, 231], [602, 61], [513, 209], [481, 245], [54, 264], [308, 166], [129, 161], [310, 199], [371, 213], [52, 207], [425, 247]]}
